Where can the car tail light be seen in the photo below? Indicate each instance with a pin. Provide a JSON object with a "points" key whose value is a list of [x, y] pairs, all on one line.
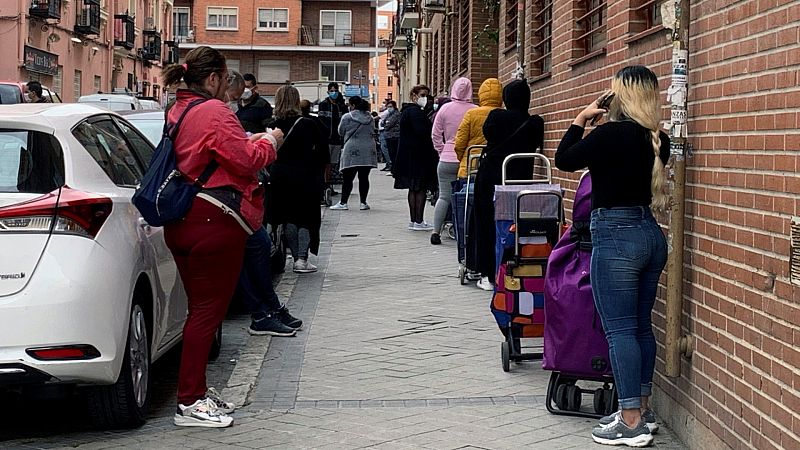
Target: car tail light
{"points": [[64, 353], [63, 211]]}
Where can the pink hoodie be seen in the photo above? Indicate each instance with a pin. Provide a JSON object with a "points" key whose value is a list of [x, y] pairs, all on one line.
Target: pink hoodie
{"points": [[448, 118]]}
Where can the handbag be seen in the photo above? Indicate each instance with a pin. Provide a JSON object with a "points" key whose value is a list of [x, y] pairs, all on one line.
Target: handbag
{"points": [[164, 195]]}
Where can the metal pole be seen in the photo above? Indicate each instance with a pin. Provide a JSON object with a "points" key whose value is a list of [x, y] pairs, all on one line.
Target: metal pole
{"points": [[521, 40], [675, 343]]}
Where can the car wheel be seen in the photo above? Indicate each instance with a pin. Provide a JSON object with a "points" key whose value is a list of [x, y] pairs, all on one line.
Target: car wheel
{"points": [[124, 404]]}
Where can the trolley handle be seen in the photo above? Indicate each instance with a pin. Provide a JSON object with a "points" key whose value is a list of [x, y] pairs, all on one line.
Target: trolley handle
{"points": [[547, 179], [472, 158], [517, 217]]}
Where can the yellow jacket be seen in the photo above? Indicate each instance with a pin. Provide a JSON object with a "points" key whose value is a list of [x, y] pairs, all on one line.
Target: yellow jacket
{"points": [[470, 132]]}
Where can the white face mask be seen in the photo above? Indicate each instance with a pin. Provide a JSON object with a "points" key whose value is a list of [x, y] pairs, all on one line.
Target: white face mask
{"points": [[247, 94], [422, 101], [435, 106]]}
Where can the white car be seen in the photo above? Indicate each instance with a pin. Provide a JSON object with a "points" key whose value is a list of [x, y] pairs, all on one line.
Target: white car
{"points": [[89, 293], [114, 102]]}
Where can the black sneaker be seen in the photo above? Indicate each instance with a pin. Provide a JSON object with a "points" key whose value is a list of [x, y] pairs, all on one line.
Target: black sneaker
{"points": [[435, 239], [288, 319], [270, 325]]}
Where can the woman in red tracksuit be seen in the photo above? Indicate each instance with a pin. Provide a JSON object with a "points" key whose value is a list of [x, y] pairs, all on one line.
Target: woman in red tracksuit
{"points": [[208, 244]]}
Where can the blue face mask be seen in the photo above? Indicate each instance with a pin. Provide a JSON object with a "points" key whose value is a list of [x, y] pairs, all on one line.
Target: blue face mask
{"points": [[333, 95]]}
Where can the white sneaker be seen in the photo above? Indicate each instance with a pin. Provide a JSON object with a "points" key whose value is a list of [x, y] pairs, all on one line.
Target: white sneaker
{"points": [[411, 226], [364, 207], [340, 206], [202, 413], [485, 284], [226, 407], [303, 266], [423, 226]]}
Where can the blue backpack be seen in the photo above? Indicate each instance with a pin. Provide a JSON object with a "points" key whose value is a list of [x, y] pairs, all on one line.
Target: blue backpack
{"points": [[164, 195]]}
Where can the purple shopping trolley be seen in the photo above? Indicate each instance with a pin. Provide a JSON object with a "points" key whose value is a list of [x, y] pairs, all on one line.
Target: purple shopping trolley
{"points": [[575, 346]]}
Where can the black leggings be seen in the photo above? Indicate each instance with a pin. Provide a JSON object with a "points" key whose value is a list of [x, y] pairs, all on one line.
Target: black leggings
{"points": [[416, 205], [349, 175]]}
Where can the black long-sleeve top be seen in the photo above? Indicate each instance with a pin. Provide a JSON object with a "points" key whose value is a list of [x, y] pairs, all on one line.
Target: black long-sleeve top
{"points": [[619, 156]]}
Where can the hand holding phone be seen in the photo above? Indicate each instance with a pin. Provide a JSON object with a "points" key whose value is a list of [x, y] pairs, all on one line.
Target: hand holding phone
{"points": [[604, 102]]}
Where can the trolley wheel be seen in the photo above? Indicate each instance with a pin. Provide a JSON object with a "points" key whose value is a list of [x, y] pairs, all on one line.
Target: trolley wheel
{"points": [[599, 401], [573, 397], [450, 231], [462, 274], [611, 401], [561, 397], [505, 353], [329, 196]]}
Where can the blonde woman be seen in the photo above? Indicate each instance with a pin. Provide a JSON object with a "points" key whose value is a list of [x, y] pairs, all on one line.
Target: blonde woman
{"points": [[626, 158]]}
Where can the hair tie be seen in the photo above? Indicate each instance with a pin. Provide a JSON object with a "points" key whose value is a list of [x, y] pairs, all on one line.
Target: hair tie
{"points": [[185, 67]]}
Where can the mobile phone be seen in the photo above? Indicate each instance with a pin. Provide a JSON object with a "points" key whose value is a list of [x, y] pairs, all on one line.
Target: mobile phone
{"points": [[604, 102]]}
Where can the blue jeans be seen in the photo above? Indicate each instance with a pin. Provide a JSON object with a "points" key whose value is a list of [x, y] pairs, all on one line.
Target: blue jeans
{"points": [[255, 281], [629, 252], [385, 149]]}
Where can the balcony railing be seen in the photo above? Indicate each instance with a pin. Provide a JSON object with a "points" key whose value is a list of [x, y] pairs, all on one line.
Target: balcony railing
{"points": [[88, 21], [151, 50], [183, 34], [124, 31], [336, 37], [46, 9]]}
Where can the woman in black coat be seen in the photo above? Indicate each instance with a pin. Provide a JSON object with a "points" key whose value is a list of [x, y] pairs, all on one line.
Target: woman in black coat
{"points": [[415, 165], [296, 178], [507, 131]]}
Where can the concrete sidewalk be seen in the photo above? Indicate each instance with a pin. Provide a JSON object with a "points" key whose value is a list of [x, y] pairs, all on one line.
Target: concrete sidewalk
{"points": [[395, 353]]}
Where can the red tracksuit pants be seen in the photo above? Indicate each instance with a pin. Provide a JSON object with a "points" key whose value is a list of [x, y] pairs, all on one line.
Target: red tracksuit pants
{"points": [[208, 247]]}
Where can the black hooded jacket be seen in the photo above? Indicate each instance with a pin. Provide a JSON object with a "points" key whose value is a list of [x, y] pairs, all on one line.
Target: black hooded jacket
{"points": [[331, 112]]}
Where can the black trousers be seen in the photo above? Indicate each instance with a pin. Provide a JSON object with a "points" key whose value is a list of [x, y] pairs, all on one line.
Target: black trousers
{"points": [[348, 176]]}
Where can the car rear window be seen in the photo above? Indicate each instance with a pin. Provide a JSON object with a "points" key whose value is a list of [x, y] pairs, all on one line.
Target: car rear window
{"points": [[152, 129], [30, 162], [10, 94]]}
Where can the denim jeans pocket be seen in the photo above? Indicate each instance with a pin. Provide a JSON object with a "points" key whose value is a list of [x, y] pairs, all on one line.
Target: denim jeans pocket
{"points": [[630, 241]]}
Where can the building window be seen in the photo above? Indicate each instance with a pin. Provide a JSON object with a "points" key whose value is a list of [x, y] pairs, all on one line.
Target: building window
{"points": [[58, 81], [389, 81], [592, 26], [233, 65], [334, 71], [645, 15], [511, 22], [76, 84], [222, 18], [181, 23], [542, 37], [273, 19], [463, 51], [97, 84], [335, 28], [273, 71]]}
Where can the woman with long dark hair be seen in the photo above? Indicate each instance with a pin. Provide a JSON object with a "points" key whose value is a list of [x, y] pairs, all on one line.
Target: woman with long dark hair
{"points": [[296, 178], [626, 158], [209, 243]]}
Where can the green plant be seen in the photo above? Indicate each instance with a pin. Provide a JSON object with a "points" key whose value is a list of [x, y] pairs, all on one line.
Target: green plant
{"points": [[489, 36]]}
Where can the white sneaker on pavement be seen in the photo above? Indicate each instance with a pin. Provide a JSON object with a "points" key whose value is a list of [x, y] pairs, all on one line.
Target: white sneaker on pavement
{"points": [[302, 265], [423, 226], [202, 413], [339, 207], [364, 207], [411, 226], [485, 284], [226, 407]]}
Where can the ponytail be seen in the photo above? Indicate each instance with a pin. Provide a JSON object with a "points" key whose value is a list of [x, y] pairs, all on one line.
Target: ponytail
{"points": [[658, 177], [200, 63]]}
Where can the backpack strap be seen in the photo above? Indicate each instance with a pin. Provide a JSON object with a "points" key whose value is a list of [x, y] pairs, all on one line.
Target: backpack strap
{"points": [[172, 131]]}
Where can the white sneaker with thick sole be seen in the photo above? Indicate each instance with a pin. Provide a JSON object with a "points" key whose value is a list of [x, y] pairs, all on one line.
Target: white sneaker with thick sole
{"points": [[339, 207], [424, 226], [216, 397], [485, 284], [411, 226], [364, 207], [202, 413], [303, 266]]}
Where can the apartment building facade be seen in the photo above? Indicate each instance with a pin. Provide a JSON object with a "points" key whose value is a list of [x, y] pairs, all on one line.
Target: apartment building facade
{"points": [[285, 41], [741, 295], [438, 41], [79, 47], [383, 79]]}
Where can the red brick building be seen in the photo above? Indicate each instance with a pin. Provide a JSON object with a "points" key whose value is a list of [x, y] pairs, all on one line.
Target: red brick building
{"points": [[284, 40], [741, 273]]}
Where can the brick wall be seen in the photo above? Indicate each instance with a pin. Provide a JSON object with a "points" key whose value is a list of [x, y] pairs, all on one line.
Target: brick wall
{"points": [[362, 19], [743, 381], [247, 23]]}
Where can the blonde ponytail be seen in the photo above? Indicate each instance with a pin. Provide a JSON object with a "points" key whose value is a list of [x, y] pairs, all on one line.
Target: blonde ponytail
{"points": [[658, 177]]}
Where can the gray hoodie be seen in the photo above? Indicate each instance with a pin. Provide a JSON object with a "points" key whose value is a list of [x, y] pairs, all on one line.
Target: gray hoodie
{"points": [[357, 130]]}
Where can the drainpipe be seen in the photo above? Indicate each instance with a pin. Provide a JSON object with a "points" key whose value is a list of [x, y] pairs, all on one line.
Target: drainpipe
{"points": [[676, 344], [520, 40]]}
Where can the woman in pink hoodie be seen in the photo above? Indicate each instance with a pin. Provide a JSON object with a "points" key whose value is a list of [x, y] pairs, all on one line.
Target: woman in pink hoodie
{"points": [[445, 127]]}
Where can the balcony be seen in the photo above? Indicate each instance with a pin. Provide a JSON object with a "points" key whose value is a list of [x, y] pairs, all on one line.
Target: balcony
{"points": [[183, 35], [335, 37], [409, 14], [172, 53], [124, 31], [88, 22], [400, 44], [151, 48], [46, 9]]}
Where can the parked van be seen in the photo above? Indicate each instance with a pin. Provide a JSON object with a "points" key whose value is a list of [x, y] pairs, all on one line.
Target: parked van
{"points": [[113, 102]]}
